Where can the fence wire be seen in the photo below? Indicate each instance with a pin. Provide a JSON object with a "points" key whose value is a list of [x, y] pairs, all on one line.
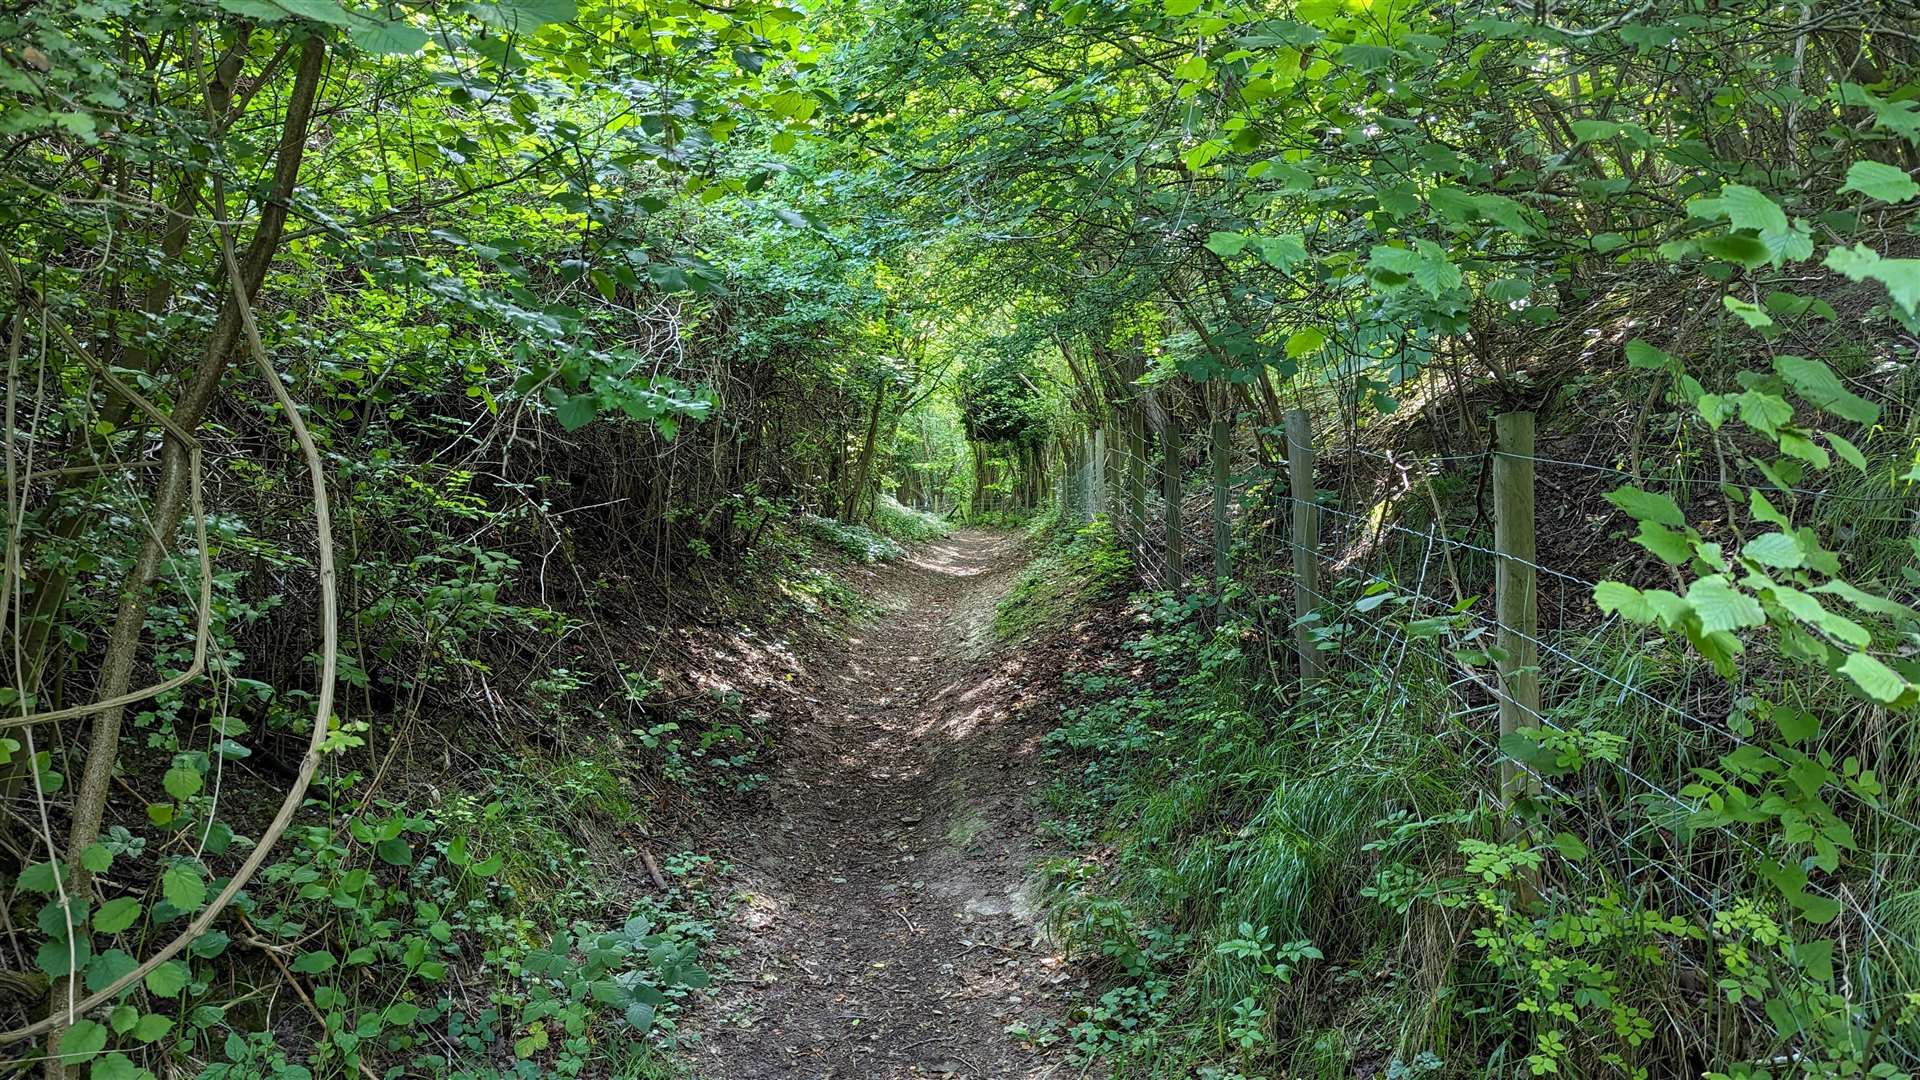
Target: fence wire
{"points": [[1708, 868]]}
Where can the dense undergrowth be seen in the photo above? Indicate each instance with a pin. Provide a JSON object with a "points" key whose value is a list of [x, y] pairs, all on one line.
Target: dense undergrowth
{"points": [[425, 421], [1323, 882]]}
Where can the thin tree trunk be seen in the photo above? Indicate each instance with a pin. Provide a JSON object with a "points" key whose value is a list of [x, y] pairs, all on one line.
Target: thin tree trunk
{"points": [[169, 502], [865, 466]]}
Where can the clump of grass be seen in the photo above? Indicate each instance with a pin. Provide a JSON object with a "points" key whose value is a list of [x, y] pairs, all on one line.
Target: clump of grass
{"points": [[1085, 564], [854, 541], [892, 518]]}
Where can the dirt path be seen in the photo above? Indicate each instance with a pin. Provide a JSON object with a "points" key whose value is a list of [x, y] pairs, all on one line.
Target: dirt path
{"points": [[888, 930]]}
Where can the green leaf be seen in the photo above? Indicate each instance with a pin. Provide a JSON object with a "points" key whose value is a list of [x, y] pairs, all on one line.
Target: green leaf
{"points": [[1752, 314], [1848, 452], [1796, 725], [84, 1039], [118, 1066], [1647, 505], [1203, 153], [313, 963], [1879, 181], [1720, 606], [1281, 252], [183, 886], [1672, 548], [525, 16], [40, 878], [1875, 679], [574, 411], [122, 1018], [116, 915], [1751, 208], [1618, 598], [1227, 244], [394, 852], [96, 858], [167, 981], [1900, 276], [182, 783], [1642, 354], [328, 12], [1305, 343], [1747, 251], [1433, 272], [1589, 130], [1178, 8], [58, 957], [108, 967], [1819, 910], [389, 38], [1774, 549], [1816, 382], [1193, 69], [152, 1027]]}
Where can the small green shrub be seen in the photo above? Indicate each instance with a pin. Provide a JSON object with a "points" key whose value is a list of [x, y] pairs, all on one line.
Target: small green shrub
{"points": [[854, 541], [1087, 564], [891, 518]]}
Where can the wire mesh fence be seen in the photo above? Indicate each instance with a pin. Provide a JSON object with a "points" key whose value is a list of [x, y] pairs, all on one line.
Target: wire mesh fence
{"points": [[1659, 780]]}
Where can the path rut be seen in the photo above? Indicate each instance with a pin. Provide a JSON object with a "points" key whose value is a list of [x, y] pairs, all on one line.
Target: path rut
{"points": [[887, 928]]}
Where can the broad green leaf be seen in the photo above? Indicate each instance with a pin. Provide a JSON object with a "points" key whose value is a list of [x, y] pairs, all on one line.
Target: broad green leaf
{"points": [[152, 1027], [1848, 452], [1227, 244], [1816, 382], [107, 967], [183, 886], [1589, 130], [40, 878], [1305, 342], [525, 16], [1886, 183], [118, 1066], [181, 783], [1720, 606], [1875, 679], [84, 1039], [96, 858], [321, 11], [1281, 252], [1672, 548], [1752, 314], [313, 963], [389, 38], [166, 981], [1641, 354], [1900, 276], [1774, 549], [1647, 505], [1618, 598], [1433, 272], [1751, 208]]}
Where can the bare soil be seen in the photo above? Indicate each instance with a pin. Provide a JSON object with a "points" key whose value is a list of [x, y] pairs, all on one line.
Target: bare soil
{"points": [[887, 925]]}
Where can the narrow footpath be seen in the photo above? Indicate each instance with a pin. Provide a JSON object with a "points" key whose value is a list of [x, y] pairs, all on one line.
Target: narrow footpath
{"points": [[889, 928]]}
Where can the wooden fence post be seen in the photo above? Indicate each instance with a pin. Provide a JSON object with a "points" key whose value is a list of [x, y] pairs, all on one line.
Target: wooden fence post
{"points": [[1099, 471], [1305, 539], [1514, 589], [1220, 453], [1137, 477], [1170, 490]]}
